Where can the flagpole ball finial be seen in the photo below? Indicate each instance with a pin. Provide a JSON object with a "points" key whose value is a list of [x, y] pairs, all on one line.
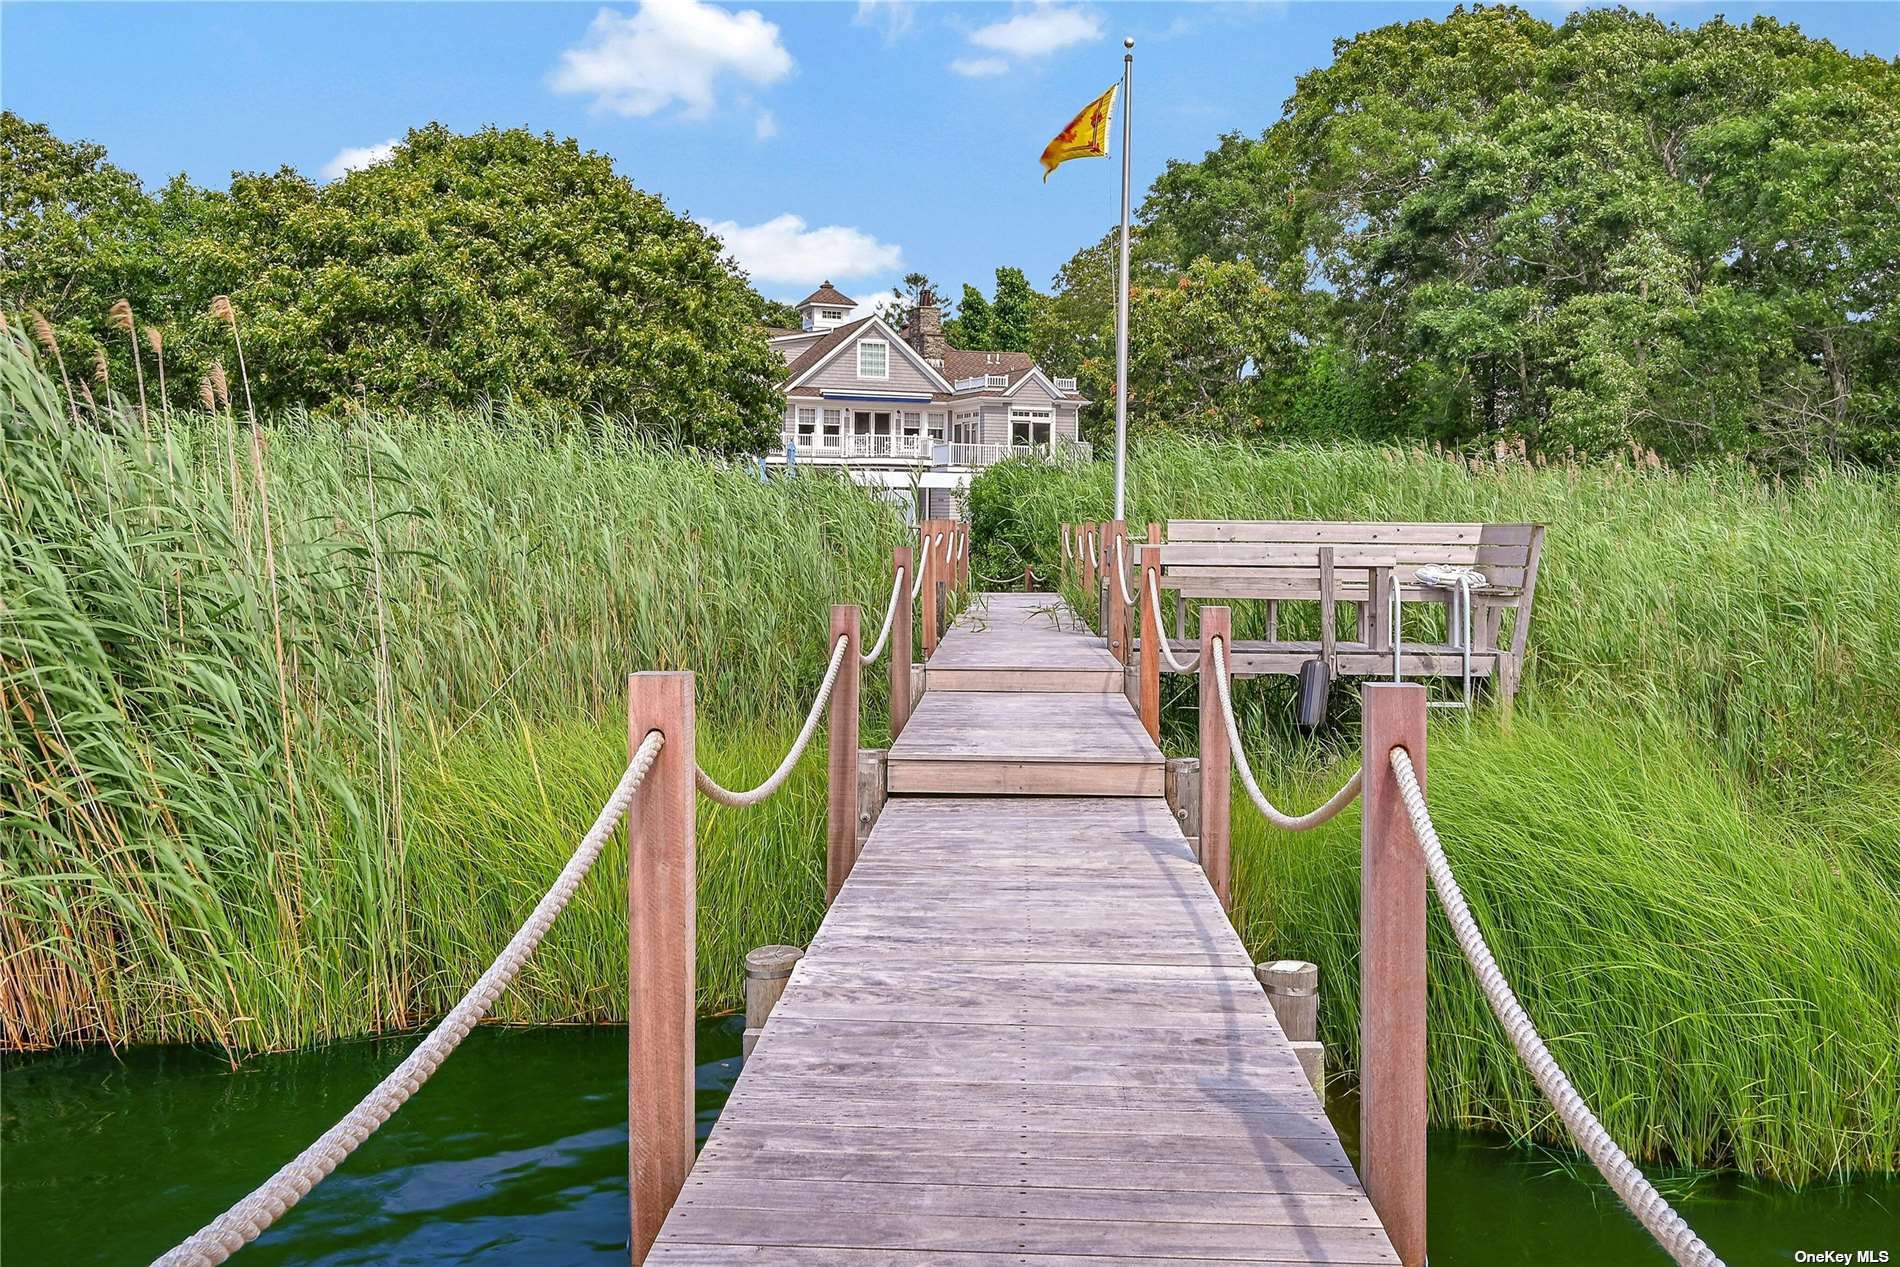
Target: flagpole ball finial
{"points": [[1128, 41]]}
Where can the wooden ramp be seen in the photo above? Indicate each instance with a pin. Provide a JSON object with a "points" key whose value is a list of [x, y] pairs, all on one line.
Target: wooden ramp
{"points": [[1026, 1032]]}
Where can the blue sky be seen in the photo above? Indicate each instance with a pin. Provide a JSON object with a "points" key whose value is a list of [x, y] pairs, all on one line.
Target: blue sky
{"points": [[850, 141]]}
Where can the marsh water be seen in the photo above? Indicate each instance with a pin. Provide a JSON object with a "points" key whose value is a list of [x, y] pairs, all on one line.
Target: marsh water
{"points": [[516, 1153]]}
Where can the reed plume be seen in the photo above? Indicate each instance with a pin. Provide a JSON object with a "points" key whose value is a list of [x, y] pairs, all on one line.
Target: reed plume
{"points": [[121, 317], [207, 397], [43, 332], [221, 310], [155, 339]]}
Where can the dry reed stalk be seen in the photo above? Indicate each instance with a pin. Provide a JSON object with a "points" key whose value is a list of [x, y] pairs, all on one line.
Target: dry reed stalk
{"points": [[43, 331], [121, 317], [155, 339]]}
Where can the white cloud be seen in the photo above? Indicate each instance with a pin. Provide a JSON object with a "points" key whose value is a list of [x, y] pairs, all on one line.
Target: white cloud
{"points": [[785, 251], [670, 51], [1038, 31], [979, 67], [895, 17], [766, 126], [355, 157]]}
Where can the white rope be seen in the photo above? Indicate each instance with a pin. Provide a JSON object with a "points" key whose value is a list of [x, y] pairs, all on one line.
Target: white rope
{"points": [[1161, 633], [740, 800], [1287, 822], [890, 614], [1121, 572], [1089, 538], [918, 588], [1651, 1210], [247, 1220]]}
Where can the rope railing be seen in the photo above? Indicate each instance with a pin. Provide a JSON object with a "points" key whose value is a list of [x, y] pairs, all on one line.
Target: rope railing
{"points": [[890, 614], [1121, 571], [245, 1221], [1279, 818], [740, 800], [1650, 1208], [1089, 540], [1161, 637]]}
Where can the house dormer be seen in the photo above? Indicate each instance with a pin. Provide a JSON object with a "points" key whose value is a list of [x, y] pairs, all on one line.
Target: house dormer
{"points": [[825, 308]]}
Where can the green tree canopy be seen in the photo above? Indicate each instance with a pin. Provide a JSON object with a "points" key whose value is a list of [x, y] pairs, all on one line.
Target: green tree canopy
{"points": [[1607, 233], [501, 264]]}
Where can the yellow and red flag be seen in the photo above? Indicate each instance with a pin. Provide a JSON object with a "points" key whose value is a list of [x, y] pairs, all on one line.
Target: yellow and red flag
{"points": [[1085, 137]]}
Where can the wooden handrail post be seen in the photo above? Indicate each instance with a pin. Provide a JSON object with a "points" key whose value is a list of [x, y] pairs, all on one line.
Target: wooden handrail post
{"points": [[927, 560], [1392, 972], [1029, 579], [963, 555], [901, 566], [1062, 557], [841, 770], [1217, 761], [1117, 604], [1151, 633], [660, 969]]}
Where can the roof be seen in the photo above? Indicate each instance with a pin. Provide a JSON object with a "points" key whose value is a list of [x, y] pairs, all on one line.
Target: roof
{"points": [[829, 295], [780, 332], [819, 350]]}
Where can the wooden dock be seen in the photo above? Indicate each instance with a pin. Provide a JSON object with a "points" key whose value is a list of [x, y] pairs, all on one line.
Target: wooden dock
{"points": [[1026, 1031]]}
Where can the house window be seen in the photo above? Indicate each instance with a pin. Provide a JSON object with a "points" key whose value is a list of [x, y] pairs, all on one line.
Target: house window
{"points": [[913, 423], [874, 359], [936, 426], [832, 314], [1028, 427], [834, 424], [807, 419]]}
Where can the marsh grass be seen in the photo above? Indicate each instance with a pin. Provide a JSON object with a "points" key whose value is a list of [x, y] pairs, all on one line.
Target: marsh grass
{"points": [[236, 684], [1685, 853]]}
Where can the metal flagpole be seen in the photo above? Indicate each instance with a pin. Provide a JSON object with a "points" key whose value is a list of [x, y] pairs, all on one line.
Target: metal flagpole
{"points": [[1121, 306]]}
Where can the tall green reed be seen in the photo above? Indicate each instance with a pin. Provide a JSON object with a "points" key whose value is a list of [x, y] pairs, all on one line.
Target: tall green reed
{"points": [[214, 841]]}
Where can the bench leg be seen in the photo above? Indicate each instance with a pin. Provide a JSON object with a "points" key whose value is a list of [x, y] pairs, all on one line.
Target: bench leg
{"points": [[1506, 677]]}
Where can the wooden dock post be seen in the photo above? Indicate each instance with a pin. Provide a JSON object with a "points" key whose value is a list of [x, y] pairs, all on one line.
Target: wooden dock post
{"points": [[963, 554], [768, 970], [1392, 972], [1117, 604], [1151, 633], [1062, 558], [661, 980], [1217, 763], [927, 560], [901, 565], [1029, 579], [1292, 987], [841, 771]]}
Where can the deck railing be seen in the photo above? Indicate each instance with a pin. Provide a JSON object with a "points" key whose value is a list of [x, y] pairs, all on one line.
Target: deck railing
{"points": [[1399, 852], [656, 797]]}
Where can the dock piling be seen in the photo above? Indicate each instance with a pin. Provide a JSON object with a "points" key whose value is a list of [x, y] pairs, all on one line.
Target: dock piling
{"points": [[841, 778], [1216, 758], [1392, 972], [661, 977]]}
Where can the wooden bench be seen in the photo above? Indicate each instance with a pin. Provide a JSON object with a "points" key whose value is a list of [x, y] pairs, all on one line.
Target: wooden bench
{"points": [[1282, 562]]}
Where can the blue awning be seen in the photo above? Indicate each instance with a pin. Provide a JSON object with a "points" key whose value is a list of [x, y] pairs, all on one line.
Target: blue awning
{"points": [[878, 400]]}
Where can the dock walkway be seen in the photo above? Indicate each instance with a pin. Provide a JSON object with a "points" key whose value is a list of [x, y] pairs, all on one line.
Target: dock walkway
{"points": [[1026, 1031]]}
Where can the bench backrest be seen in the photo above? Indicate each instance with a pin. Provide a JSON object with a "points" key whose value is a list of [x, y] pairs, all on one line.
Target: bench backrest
{"points": [[1208, 558]]}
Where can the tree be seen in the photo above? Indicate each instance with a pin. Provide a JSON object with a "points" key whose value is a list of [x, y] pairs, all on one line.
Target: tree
{"points": [[492, 266], [779, 315], [1012, 313], [904, 300], [1609, 233], [970, 328]]}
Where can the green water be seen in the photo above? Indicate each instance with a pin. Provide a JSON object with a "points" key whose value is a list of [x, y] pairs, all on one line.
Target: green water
{"points": [[516, 1153]]}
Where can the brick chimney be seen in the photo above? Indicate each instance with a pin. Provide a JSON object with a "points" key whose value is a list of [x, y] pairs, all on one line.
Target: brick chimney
{"points": [[926, 329]]}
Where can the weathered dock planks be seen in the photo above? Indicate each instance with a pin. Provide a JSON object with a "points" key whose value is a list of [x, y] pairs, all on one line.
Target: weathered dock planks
{"points": [[1026, 1032]]}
